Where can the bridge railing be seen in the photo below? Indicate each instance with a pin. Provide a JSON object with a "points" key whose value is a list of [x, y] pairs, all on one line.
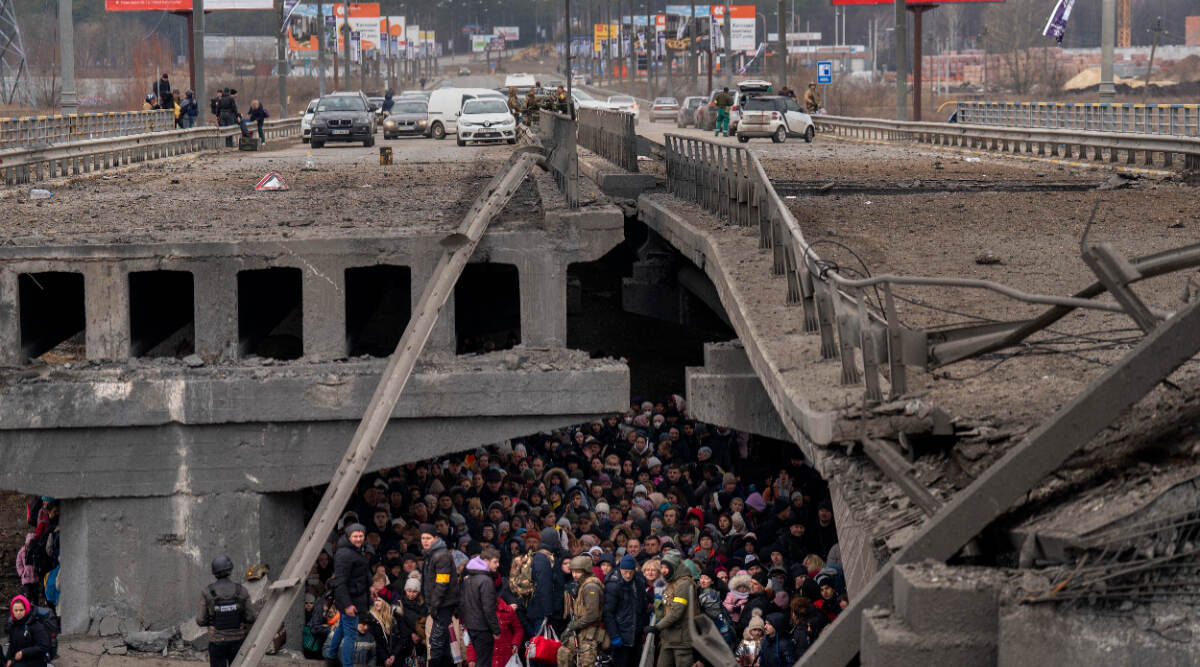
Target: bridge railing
{"points": [[30, 165], [33, 131], [610, 134], [1167, 119], [1156, 150], [556, 132]]}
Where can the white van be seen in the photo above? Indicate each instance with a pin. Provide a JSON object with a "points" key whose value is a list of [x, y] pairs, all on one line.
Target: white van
{"points": [[445, 104]]}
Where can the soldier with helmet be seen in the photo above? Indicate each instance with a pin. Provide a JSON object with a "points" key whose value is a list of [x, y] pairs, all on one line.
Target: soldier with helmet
{"points": [[586, 636], [225, 610], [673, 634]]}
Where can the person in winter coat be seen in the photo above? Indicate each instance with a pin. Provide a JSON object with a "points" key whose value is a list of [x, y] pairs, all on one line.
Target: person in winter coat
{"points": [[29, 578], [749, 651], [258, 114], [759, 599], [777, 648], [351, 591], [414, 612], [511, 632], [190, 110], [391, 646], [622, 607], [546, 603], [478, 610], [739, 592], [672, 630], [227, 112], [28, 640], [321, 620], [439, 583]]}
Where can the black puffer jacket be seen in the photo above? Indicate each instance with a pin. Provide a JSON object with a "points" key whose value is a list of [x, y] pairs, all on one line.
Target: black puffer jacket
{"points": [[351, 578], [28, 637], [439, 578], [478, 607]]}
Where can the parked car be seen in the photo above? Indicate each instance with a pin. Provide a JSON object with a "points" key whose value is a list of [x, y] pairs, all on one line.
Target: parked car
{"points": [[463, 70], [706, 118], [586, 101], [423, 94], [520, 81], [343, 117], [624, 103], [581, 79], [306, 120], [687, 111], [445, 104], [664, 107], [776, 117], [486, 119], [409, 118]]}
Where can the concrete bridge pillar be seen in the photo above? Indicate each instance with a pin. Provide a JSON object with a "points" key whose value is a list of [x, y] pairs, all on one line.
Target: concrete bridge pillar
{"points": [[149, 557], [216, 314], [442, 339], [543, 280], [106, 307], [10, 320], [324, 310]]}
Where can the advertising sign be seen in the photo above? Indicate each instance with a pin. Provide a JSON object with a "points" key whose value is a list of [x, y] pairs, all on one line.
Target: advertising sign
{"points": [[479, 43], [511, 33], [364, 19], [891, 2], [183, 5], [394, 27], [741, 28]]}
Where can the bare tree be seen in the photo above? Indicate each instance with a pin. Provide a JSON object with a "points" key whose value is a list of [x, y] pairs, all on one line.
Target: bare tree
{"points": [[1014, 32]]}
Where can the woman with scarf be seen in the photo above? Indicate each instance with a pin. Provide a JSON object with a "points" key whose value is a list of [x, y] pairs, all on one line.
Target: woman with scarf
{"points": [[28, 639]]}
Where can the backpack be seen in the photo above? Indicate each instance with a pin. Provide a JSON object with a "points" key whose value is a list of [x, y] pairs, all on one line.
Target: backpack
{"points": [[520, 575], [711, 605], [36, 555], [46, 617]]}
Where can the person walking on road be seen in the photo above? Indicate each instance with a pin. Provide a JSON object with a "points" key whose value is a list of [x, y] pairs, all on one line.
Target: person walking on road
{"points": [[439, 580], [351, 591], [227, 112], [812, 99], [225, 610], [479, 605], [724, 101]]}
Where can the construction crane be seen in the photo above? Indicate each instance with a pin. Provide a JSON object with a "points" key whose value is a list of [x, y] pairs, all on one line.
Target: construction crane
{"points": [[1124, 24], [15, 86]]}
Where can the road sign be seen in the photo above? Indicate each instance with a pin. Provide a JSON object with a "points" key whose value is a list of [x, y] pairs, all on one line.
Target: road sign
{"points": [[825, 71], [272, 181]]}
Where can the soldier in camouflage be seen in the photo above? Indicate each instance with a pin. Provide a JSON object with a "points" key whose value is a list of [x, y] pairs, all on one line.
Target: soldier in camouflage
{"points": [[585, 637], [675, 638]]}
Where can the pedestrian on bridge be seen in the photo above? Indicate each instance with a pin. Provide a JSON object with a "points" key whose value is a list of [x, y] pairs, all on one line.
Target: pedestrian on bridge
{"points": [[258, 114], [351, 592], [225, 610], [723, 101]]}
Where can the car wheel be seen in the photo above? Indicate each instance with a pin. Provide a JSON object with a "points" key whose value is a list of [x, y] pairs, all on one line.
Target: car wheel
{"points": [[809, 134], [780, 135], [438, 131], [304, 140], [460, 142], [742, 139], [367, 143], [318, 144]]}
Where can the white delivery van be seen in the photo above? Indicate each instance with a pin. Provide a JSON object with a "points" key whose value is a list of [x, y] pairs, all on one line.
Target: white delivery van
{"points": [[446, 103]]}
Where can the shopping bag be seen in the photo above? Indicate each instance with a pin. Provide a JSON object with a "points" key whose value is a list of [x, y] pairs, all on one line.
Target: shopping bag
{"points": [[544, 647], [514, 661]]}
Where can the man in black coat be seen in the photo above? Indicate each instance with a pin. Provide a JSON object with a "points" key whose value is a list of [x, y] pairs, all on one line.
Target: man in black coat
{"points": [[623, 603], [351, 591], [546, 604], [439, 582], [478, 609]]}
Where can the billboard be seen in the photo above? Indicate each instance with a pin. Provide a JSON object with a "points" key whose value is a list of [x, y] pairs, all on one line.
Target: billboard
{"points": [[741, 27], [364, 19], [511, 33], [183, 5], [479, 43], [911, 2], [304, 26], [394, 27]]}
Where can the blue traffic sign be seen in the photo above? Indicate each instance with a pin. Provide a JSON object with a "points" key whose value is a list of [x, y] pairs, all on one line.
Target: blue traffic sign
{"points": [[825, 71]]}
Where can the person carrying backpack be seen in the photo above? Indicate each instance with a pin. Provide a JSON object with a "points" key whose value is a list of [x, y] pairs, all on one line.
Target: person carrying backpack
{"points": [[225, 610], [623, 591], [26, 570], [546, 603], [28, 639]]}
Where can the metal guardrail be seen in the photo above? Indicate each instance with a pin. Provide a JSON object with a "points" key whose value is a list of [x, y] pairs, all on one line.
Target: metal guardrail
{"points": [[1172, 119], [610, 134], [1157, 150], [18, 166], [32, 131], [556, 133]]}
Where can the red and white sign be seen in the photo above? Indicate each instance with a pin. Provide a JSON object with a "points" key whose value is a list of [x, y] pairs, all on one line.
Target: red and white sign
{"points": [[911, 2], [270, 183], [741, 27], [183, 5]]}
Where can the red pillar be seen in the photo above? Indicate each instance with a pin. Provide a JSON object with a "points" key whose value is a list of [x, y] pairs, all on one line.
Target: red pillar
{"points": [[917, 11]]}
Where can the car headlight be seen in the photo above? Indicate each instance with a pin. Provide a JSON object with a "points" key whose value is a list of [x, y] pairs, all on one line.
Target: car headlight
{"points": [[420, 122], [389, 123]]}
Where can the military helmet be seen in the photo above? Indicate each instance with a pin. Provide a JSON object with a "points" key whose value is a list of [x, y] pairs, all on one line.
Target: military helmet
{"points": [[222, 566], [582, 563]]}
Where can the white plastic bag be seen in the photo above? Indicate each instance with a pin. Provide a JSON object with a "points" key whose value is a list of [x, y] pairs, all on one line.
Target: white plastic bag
{"points": [[515, 661]]}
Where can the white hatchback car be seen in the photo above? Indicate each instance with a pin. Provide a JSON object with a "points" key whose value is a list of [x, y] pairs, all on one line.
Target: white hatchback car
{"points": [[624, 103], [486, 119], [774, 116]]}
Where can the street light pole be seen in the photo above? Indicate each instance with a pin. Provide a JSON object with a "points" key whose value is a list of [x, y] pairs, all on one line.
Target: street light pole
{"points": [[567, 56], [782, 45], [66, 49], [727, 63], [321, 48], [198, 59], [901, 59], [1108, 29]]}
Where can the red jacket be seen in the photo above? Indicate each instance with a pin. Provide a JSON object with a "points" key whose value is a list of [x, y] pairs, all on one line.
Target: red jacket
{"points": [[511, 634]]}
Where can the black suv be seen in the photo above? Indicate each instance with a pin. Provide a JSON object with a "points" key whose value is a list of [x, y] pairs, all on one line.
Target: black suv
{"points": [[343, 117]]}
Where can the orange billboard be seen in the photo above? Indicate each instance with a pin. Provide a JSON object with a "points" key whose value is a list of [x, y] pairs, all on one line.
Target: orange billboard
{"points": [[183, 5]]}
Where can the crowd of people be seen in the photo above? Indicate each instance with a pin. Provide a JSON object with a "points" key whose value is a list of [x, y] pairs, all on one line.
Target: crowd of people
{"points": [[223, 106], [33, 615], [599, 535]]}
